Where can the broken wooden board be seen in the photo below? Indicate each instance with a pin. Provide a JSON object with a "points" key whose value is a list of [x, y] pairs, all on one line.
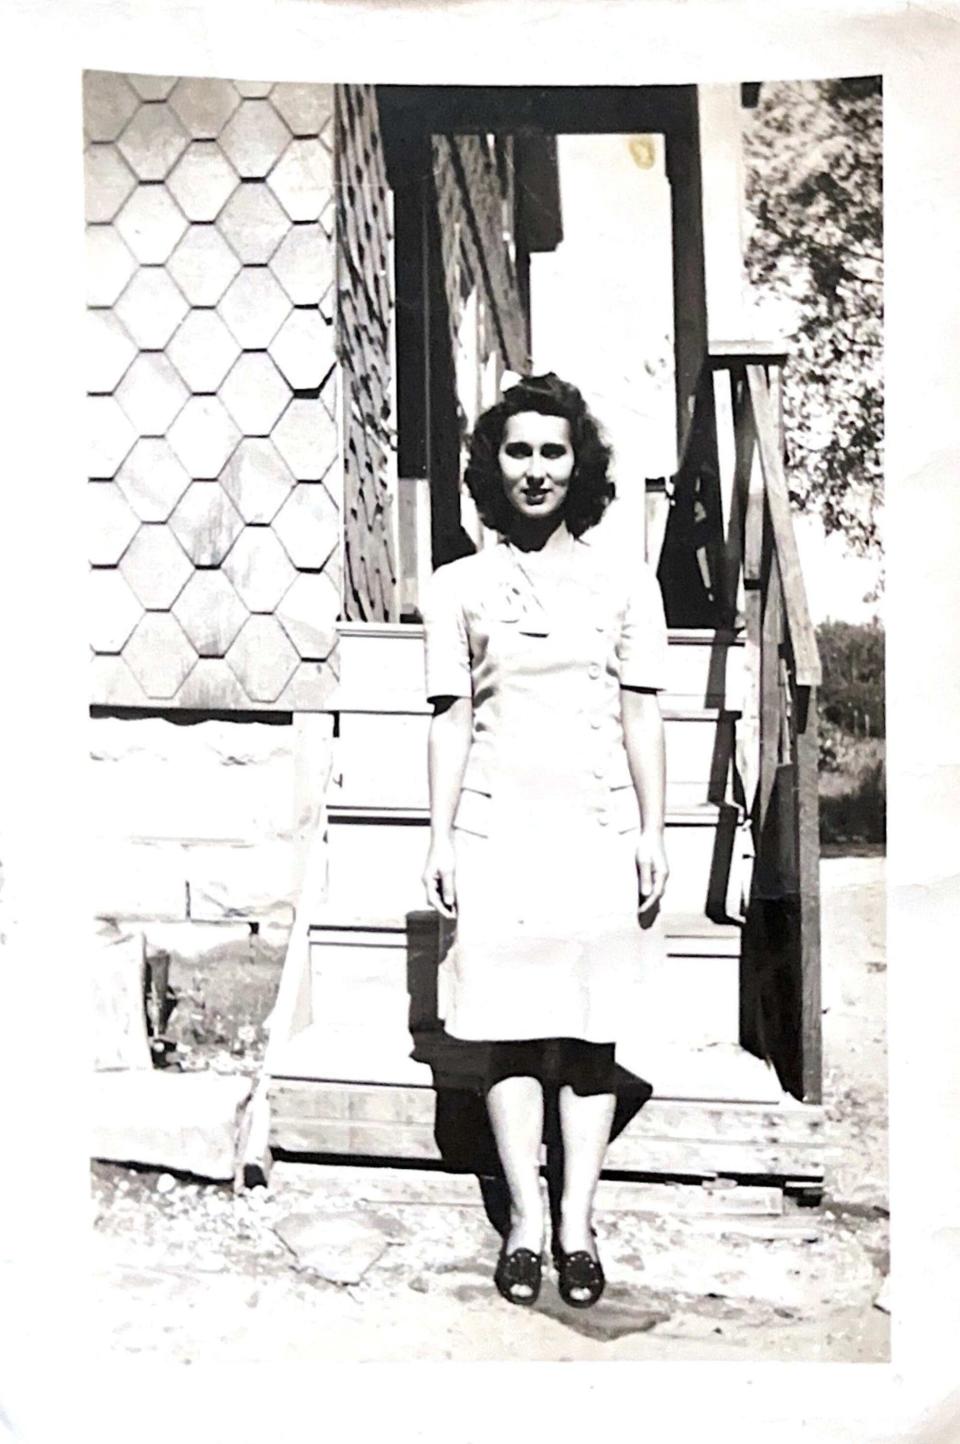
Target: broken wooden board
{"points": [[188, 1122]]}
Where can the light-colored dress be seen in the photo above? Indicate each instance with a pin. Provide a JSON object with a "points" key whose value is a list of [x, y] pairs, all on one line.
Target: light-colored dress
{"points": [[548, 941]]}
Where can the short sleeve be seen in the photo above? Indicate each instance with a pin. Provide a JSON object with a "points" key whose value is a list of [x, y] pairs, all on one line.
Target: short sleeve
{"points": [[447, 646], [643, 639]]}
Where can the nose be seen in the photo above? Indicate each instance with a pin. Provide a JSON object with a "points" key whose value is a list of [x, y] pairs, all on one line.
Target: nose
{"points": [[536, 468]]}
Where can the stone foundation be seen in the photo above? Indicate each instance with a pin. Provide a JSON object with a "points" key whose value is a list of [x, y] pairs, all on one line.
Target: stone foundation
{"points": [[199, 829]]}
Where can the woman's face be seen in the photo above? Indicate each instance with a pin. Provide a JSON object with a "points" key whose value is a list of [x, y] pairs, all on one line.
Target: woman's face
{"points": [[536, 463]]}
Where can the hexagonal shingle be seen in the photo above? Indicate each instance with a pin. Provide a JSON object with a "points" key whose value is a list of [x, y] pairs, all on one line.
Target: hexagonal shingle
{"points": [[211, 684], [254, 308], [155, 567], [305, 263], [152, 87], [151, 224], [159, 656], [203, 351], [259, 569], [303, 348], [108, 181], [262, 659], [203, 265], [255, 394], [151, 393], [302, 179], [111, 525], [311, 688], [108, 351], [257, 479], [206, 523], [108, 265], [151, 308], [308, 525], [254, 89], [202, 181], [210, 612], [306, 108], [113, 684], [152, 479], [308, 614], [203, 436], [306, 438], [254, 139], [113, 610], [109, 435], [108, 103], [204, 105], [254, 223], [153, 142]]}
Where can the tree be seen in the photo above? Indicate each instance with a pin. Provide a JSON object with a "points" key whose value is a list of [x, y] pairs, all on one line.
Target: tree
{"points": [[814, 190]]}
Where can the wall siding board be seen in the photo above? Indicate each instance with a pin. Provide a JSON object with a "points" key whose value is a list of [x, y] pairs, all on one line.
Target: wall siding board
{"points": [[364, 266]]}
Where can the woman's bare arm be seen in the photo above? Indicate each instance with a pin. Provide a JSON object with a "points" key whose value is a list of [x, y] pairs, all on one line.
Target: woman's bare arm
{"points": [[646, 754], [451, 728]]}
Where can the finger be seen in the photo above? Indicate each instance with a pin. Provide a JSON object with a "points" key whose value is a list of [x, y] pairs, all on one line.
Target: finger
{"points": [[448, 890], [646, 878]]}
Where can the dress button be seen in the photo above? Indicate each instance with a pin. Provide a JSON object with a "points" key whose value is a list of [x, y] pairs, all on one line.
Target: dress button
{"points": [[594, 669], [598, 772], [595, 723], [603, 819], [601, 626]]}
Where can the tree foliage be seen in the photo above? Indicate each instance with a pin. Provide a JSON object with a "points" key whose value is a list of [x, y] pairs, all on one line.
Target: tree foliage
{"points": [[814, 189], [852, 694]]}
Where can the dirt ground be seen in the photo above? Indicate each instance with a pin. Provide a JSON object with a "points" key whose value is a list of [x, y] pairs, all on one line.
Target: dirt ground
{"points": [[337, 1262]]}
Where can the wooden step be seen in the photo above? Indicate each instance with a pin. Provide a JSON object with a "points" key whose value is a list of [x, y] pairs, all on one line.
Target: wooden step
{"points": [[381, 668], [773, 1138], [380, 759], [360, 979], [376, 860]]}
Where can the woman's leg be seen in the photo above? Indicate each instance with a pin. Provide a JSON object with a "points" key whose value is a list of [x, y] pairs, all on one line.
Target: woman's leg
{"points": [[515, 1106], [585, 1123]]}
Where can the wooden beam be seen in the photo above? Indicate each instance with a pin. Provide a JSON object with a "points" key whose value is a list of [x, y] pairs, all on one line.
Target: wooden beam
{"points": [[771, 637], [770, 444], [808, 850], [689, 274], [555, 109]]}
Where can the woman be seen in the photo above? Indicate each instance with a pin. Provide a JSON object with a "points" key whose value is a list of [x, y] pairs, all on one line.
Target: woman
{"points": [[546, 764]]}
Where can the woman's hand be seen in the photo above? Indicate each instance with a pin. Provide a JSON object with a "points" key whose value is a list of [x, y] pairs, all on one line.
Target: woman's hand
{"points": [[439, 877], [653, 869]]}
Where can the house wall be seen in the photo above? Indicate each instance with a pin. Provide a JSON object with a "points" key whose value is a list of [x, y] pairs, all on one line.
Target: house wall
{"points": [[366, 341], [216, 494], [215, 489]]}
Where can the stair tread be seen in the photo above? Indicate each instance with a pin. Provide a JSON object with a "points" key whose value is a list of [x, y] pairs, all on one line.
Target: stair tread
{"points": [[695, 812], [676, 925], [704, 1071]]}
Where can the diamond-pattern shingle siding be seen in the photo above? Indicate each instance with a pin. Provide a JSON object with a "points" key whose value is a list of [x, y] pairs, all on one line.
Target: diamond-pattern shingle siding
{"points": [[211, 216]]}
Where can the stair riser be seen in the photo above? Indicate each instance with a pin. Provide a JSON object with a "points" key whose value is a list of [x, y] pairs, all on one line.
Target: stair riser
{"points": [[375, 868], [381, 670], [380, 761]]}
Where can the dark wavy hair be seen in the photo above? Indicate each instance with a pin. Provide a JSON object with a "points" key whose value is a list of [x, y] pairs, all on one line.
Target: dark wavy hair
{"points": [[591, 489]]}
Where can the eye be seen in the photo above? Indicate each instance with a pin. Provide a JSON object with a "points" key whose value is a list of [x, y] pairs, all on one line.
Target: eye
{"points": [[554, 450], [517, 449]]}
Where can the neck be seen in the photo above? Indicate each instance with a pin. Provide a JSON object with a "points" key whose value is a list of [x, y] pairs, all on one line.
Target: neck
{"points": [[532, 535]]}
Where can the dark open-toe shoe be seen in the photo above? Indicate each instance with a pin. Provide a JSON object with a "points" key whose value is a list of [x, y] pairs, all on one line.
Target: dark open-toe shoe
{"points": [[578, 1271], [520, 1270]]}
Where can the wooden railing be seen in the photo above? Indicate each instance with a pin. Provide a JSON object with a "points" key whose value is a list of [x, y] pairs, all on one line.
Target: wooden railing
{"points": [[751, 559]]}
